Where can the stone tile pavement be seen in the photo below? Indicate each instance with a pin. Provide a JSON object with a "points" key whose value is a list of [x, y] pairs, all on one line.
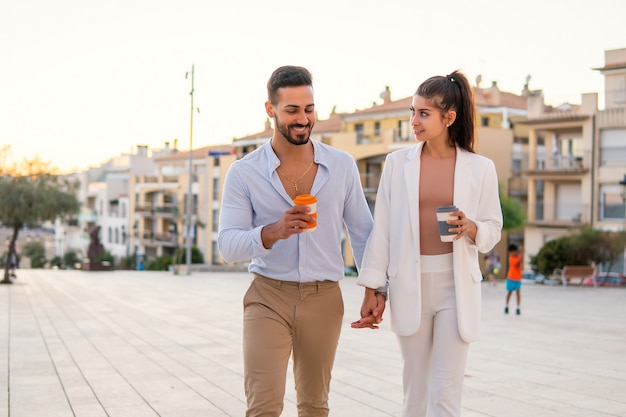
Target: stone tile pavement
{"points": [[143, 344]]}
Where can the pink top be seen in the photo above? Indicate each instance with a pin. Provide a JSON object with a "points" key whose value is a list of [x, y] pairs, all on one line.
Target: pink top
{"points": [[436, 189]]}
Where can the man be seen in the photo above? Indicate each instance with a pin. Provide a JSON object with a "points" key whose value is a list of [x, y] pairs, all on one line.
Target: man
{"points": [[294, 303]]}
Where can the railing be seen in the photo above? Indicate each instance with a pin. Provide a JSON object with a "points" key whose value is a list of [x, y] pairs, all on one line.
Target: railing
{"points": [[163, 210], [518, 186], [558, 163], [158, 237], [561, 213]]}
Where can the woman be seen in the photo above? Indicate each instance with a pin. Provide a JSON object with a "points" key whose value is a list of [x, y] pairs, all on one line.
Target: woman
{"points": [[434, 287]]}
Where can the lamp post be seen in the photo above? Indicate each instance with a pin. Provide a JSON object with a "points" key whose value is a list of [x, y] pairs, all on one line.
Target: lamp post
{"points": [[623, 195], [188, 229]]}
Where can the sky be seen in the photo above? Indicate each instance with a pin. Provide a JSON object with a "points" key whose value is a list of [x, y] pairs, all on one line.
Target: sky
{"points": [[82, 81]]}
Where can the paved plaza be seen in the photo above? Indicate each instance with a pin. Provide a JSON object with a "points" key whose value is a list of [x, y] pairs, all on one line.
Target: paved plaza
{"points": [[144, 344]]}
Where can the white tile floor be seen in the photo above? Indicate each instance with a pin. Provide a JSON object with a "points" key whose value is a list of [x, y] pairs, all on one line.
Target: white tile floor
{"points": [[133, 343]]}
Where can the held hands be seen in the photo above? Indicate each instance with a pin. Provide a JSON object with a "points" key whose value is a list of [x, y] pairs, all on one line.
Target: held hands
{"points": [[371, 310]]}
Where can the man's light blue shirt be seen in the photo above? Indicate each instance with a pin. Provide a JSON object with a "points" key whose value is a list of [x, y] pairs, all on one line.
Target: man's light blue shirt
{"points": [[255, 197]]}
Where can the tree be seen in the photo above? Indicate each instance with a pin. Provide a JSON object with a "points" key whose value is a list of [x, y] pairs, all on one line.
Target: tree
{"points": [[34, 198], [37, 254], [554, 254], [588, 245], [512, 213], [603, 247]]}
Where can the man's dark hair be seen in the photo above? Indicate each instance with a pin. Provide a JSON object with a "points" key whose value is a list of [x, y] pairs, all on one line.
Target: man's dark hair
{"points": [[287, 76]]}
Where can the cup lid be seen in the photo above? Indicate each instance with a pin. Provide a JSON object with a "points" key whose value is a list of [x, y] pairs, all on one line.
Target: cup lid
{"points": [[447, 208], [304, 199]]}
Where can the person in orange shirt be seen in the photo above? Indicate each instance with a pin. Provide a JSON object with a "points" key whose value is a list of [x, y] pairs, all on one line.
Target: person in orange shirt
{"points": [[514, 277]]}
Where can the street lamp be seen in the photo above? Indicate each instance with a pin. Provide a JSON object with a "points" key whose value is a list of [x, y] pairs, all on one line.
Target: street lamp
{"points": [[623, 195], [189, 229]]}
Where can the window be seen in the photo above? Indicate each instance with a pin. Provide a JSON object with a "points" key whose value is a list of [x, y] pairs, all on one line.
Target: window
{"points": [[377, 128], [612, 149], [611, 203], [358, 128], [216, 223], [216, 189], [214, 253], [404, 129], [620, 90], [484, 121]]}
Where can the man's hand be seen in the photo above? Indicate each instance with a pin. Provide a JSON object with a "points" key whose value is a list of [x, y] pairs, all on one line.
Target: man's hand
{"points": [[293, 222], [372, 310]]}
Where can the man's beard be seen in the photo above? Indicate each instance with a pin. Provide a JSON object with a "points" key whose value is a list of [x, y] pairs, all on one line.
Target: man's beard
{"points": [[297, 139]]}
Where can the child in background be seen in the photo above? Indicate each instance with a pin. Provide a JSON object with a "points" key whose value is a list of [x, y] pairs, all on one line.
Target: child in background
{"points": [[492, 264], [514, 277]]}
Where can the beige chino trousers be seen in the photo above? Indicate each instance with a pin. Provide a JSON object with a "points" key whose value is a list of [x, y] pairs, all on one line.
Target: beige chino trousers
{"points": [[283, 318]]}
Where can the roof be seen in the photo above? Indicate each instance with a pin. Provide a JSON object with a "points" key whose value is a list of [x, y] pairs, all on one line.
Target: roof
{"points": [[556, 116], [198, 153], [615, 66], [484, 98]]}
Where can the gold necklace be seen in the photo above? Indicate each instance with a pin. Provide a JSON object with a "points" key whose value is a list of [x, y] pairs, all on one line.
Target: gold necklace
{"points": [[295, 183]]}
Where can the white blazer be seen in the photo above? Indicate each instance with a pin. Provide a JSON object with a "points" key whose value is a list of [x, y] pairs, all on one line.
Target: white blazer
{"points": [[393, 248]]}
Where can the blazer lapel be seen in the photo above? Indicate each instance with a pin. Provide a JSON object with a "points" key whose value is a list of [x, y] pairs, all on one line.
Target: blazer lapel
{"points": [[412, 175]]}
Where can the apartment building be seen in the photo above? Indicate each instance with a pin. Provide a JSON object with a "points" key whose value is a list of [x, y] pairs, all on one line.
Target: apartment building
{"points": [[105, 195], [575, 161], [164, 213]]}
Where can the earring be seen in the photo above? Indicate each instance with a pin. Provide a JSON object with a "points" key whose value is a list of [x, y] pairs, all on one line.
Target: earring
{"points": [[447, 125]]}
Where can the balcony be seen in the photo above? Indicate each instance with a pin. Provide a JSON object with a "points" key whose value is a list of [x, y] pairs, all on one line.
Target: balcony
{"points": [[560, 215], [518, 186], [169, 210], [556, 164], [88, 216], [158, 239]]}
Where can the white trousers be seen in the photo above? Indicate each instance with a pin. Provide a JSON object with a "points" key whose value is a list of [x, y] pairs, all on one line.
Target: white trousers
{"points": [[435, 356]]}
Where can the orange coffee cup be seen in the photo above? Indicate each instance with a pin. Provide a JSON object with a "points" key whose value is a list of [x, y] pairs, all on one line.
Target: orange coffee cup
{"points": [[309, 201]]}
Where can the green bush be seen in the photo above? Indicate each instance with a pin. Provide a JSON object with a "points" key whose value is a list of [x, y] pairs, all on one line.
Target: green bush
{"points": [[37, 262], [70, 259], [105, 256], [196, 255], [34, 249], [161, 263], [583, 247], [128, 262], [56, 261], [37, 254]]}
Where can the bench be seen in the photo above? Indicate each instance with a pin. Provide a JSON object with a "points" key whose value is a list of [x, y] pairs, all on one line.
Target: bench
{"points": [[570, 272]]}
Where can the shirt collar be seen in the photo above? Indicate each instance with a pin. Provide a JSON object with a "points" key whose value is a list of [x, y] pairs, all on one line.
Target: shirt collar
{"points": [[274, 162]]}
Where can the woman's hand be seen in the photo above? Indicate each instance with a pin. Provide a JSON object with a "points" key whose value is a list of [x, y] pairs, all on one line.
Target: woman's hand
{"points": [[372, 310]]}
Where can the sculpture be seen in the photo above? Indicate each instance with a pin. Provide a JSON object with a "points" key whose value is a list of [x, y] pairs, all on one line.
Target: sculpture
{"points": [[95, 246]]}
